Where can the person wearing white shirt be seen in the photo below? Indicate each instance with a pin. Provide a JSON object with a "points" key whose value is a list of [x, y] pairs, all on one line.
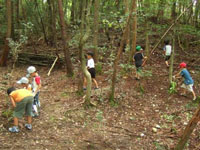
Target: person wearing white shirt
{"points": [[91, 69], [167, 50]]}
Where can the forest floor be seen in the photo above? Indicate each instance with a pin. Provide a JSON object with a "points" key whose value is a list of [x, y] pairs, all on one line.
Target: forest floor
{"points": [[142, 105]]}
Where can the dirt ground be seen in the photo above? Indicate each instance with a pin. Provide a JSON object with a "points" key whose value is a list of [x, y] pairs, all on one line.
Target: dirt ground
{"points": [[146, 116]]}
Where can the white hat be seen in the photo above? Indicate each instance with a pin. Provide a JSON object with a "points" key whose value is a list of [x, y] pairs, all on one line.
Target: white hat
{"points": [[30, 70], [23, 80]]}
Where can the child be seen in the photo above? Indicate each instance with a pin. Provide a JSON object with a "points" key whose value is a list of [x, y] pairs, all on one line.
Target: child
{"points": [[21, 100], [91, 69], [188, 81], [36, 85], [138, 61], [25, 83], [167, 50]]}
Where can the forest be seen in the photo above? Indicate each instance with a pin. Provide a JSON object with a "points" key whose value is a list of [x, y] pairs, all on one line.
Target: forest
{"points": [[115, 74]]}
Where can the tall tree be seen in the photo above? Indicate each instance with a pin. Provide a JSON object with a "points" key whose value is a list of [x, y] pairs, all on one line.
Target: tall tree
{"points": [[133, 30], [123, 40], [4, 57], [64, 39], [83, 39], [96, 29], [161, 9]]}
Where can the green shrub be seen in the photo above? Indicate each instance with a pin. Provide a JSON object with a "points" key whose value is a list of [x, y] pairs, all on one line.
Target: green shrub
{"points": [[98, 68], [172, 88]]}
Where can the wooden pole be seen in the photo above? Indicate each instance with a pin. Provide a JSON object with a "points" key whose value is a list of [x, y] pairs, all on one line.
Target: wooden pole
{"points": [[52, 66]]}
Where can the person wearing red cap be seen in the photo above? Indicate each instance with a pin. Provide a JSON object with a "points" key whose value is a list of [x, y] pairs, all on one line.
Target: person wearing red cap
{"points": [[188, 81]]}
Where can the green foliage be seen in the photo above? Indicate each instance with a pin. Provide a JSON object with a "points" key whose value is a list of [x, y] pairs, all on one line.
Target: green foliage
{"points": [[8, 113], [99, 116], [98, 68], [159, 146], [172, 88], [126, 68]]}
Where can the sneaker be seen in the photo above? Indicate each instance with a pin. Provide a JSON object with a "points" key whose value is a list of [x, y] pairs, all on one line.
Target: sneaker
{"points": [[84, 89], [14, 129], [96, 88], [28, 126]]}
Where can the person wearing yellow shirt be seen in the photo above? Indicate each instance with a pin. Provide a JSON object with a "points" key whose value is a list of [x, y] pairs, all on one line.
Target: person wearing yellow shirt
{"points": [[21, 100]]}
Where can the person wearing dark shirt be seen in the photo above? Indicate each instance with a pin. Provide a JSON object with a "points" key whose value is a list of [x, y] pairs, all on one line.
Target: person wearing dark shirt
{"points": [[138, 58]]}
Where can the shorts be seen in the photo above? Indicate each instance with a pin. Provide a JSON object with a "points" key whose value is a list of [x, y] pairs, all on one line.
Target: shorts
{"points": [[23, 107], [167, 58], [188, 87], [92, 71]]}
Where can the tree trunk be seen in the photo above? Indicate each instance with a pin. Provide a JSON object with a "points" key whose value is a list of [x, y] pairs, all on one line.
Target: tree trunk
{"points": [[4, 57], [112, 96], [83, 39], [172, 58], [173, 12], [161, 8], [13, 20], [147, 48], [133, 30], [73, 11], [188, 130], [147, 11], [17, 13], [52, 23], [42, 22], [96, 29], [64, 39], [126, 4], [196, 17]]}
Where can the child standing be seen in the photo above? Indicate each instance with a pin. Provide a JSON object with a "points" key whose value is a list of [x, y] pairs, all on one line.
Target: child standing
{"points": [[25, 83], [188, 81], [138, 58], [36, 85], [21, 100], [91, 69], [167, 51]]}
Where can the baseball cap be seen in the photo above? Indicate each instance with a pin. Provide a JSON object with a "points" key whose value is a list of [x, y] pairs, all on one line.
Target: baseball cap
{"points": [[30, 70], [182, 65], [23, 80], [138, 48]]}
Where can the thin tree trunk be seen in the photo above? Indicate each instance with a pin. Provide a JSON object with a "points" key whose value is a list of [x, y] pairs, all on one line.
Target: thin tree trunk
{"points": [[133, 30], [147, 39], [17, 13], [160, 14], [96, 29], [188, 130], [173, 12], [64, 39], [172, 58], [4, 57], [13, 24], [73, 11], [52, 22], [112, 94], [126, 4], [42, 23]]}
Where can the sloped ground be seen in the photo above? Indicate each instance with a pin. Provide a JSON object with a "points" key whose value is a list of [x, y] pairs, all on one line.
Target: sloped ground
{"points": [[65, 125]]}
